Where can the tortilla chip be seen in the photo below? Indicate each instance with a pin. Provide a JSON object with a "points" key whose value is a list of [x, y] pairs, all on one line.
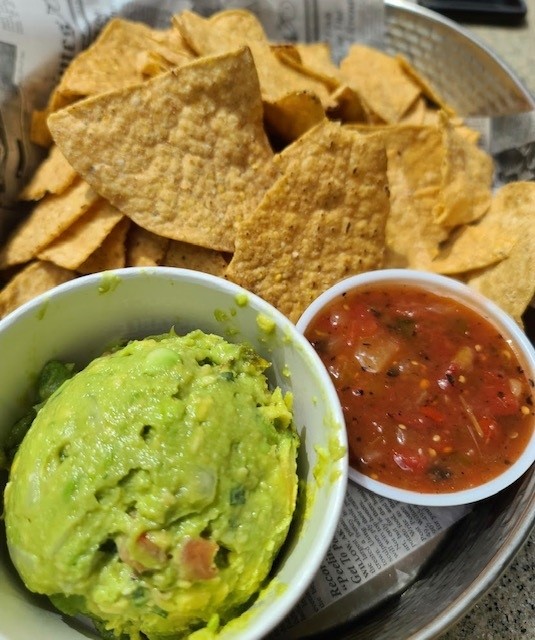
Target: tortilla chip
{"points": [[53, 175], [144, 248], [153, 63], [39, 133], [467, 173], [318, 56], [228, 30], [49, 219], [83, 237], [110, 62], [475, 246], [196, 157], [425, 86], [511, 282], [221, 32], [378, 79], [416, 114], [292, 115], [34, 279], [431, 117], [322, 220], [189, 256], [112, 252], [349, 106], [415, 157], [289, 55]]}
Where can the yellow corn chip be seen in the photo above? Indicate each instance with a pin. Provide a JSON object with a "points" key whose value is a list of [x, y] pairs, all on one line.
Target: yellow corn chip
{"points": [[112, 252], [289, 55], [431, 117], [415, 157], [50, 217], [110, 62], [229, 30], [221, 32], [181, 154], [83, 237], [416, 114], [467, 173], [323, 219], [318, 56], [53, 175], [475, 246], [144, 248], [377, 78], [152, 63], [34, 279], [292, 115], [511, 282], [39, 133], [425, 86], [349, 106], [189, 256]]}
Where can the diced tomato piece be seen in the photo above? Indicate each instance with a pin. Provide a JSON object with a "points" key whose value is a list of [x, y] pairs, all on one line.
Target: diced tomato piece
{"points": [[498, 396], [198, 556], [429, 411], [354, 323], [410, 462]]}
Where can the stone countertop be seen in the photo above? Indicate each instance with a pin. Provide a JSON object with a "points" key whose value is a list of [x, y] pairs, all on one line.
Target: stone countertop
{"points": [[513, 44], [507, 611]]}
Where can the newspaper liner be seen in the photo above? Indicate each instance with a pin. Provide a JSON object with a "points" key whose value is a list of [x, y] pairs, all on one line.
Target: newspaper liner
{"points": [[380, 545]]}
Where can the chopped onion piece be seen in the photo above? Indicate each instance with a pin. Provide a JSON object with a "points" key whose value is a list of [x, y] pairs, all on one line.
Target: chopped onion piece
{"points": [[515, 386]]}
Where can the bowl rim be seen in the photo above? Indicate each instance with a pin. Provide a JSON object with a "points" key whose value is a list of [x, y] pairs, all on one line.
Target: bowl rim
{"points": [[472, 299], [279, 607]]}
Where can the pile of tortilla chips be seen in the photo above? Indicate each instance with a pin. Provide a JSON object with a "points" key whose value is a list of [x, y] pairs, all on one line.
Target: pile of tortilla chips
{"points": [[206, 146]]}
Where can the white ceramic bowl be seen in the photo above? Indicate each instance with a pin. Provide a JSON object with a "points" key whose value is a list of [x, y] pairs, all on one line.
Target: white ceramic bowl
{"points": [[460, 292], [77, 320]]}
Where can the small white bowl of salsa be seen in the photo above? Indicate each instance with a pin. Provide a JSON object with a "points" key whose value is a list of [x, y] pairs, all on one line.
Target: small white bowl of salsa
{"points": [[436, 383]]}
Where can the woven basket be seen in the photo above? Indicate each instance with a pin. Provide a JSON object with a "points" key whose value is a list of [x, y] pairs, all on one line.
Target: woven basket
{"points": [[461, 68]]}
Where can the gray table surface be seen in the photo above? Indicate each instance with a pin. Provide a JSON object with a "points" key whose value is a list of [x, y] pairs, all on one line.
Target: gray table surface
{"points": [[507, 611]]}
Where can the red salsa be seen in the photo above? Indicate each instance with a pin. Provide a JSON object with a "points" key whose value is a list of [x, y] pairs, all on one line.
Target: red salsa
{"points": [[434, 398]]}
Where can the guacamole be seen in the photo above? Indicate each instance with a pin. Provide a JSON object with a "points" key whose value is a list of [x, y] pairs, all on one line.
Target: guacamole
{"points": [[155, 487]]}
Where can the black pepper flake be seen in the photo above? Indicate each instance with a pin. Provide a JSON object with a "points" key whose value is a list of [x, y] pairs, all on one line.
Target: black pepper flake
{"points": [[450, 378]]}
